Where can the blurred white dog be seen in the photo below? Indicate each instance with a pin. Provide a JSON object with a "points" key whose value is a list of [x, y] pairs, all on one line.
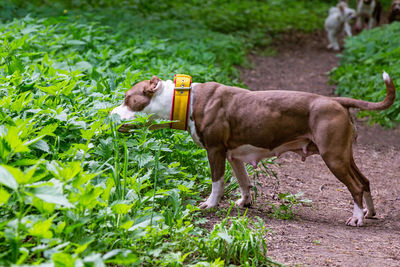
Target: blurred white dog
{"points": [[339, 19]]}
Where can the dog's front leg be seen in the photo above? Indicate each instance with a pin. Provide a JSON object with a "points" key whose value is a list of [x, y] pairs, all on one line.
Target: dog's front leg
{"points": [[244, 182], [371, 23], [358, 25], [347, 29], [216, 158]]}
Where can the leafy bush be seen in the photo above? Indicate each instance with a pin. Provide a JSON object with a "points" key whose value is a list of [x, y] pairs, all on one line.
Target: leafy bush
{"points": [[73, 191], [360, 72], [234, 241]]}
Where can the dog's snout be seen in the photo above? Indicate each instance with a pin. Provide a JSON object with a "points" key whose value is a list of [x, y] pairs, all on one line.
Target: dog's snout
{"points": [[124, 128], [124, 112]]}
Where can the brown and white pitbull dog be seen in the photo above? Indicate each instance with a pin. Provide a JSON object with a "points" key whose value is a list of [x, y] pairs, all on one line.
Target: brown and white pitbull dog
{"points": [[247, 126]]}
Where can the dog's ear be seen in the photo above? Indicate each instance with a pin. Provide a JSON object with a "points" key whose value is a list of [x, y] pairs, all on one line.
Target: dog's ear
{"points": [[155, 84], [341, 7]]}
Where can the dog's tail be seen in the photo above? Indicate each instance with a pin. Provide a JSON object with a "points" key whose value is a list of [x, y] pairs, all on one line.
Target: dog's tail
{"points": [[366, 105]]}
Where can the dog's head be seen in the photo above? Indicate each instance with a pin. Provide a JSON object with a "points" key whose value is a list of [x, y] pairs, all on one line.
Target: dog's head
{"points": [[395, 7], [138, 98], [349, 15]]}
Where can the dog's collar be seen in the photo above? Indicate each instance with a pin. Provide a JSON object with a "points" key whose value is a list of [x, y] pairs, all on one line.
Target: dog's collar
{"points": [[181, 101]]}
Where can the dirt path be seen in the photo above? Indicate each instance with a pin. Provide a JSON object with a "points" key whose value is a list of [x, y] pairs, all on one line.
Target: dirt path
{"points": [[318, 236]]}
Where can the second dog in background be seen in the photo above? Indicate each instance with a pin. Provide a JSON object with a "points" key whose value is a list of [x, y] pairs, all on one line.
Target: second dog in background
{"points": [[368, 14], [339, 19], [394, 11]]}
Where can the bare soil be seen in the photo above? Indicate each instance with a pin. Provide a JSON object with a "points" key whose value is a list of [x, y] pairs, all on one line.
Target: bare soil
{"points": [[318, 236]]}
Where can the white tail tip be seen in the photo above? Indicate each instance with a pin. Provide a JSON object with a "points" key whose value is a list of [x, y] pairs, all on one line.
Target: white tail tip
{"points": [[386, 76]]}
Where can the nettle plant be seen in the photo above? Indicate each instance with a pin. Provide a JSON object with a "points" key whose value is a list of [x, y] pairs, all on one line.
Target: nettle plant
{"points": [[74, 191]]}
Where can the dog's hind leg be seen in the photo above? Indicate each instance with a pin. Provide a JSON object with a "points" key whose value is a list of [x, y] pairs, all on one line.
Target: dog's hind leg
{"points": [[340, 167], [334, 43], [332, 40], [370, 210], [333, 137], [243, 180]]}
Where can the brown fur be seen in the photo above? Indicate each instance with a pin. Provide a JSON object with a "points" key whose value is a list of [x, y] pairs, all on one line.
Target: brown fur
{"points": [[137, 100]]}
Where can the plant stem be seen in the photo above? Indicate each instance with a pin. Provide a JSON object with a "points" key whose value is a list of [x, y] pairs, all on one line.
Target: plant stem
{"points": [[156, 161], [125, 169], [116, 163]]}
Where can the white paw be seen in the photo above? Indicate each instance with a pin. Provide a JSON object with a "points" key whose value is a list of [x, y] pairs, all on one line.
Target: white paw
{"points": [[354, 221], [207, 204]]}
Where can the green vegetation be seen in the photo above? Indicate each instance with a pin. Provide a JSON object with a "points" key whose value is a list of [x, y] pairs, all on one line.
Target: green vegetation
{"points": [[74, 191], [286, 208], [362, 63]]}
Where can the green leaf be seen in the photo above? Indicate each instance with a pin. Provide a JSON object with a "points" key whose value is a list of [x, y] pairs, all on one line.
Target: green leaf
{"points": [[16, 144], [52, 89], [4, 196], [225, 237], [80, 248], [50, 194], [143, 158], [71, 170], [126, 225], [20, 177], [60, 227], [42, 206], [122, 257], [62, 116], [42, 229], [62, 259], [89, 198], [121, 208], [6, 178], [42, 145], [48, 129], [145, 223], [84, 66], [75, 42]]}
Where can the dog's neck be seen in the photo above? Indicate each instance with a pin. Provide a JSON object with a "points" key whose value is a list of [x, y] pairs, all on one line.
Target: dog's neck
{"points": [[161, 106]]}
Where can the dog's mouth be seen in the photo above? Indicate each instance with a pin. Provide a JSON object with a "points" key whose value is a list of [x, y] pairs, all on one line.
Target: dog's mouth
{"points": [[125, 128]]}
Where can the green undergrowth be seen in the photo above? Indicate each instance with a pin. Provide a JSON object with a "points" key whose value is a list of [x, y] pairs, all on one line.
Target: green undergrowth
{"points": [[359, 75], [73, 190]]}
